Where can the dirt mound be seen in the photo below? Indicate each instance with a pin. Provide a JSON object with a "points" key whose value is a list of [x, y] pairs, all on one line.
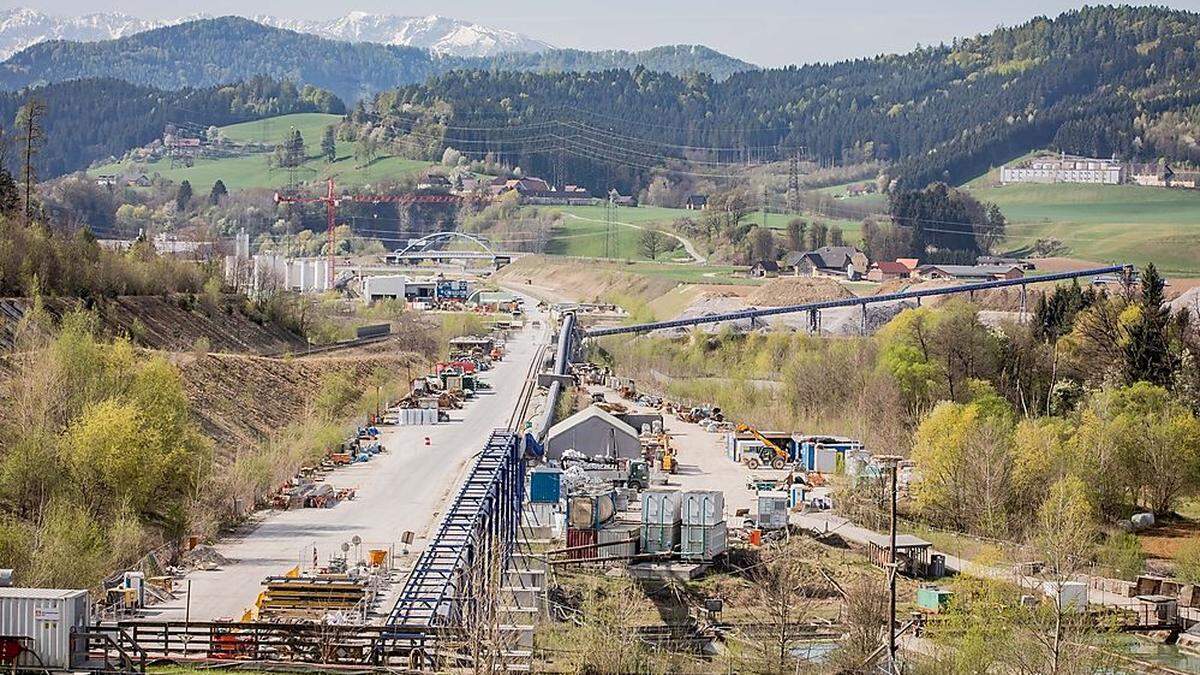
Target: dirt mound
{"points": [[795, 291], [1188, 300]]}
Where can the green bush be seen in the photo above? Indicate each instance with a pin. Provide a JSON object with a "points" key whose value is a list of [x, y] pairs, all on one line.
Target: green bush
{"points": [[1122, 553], [1187, 561]]}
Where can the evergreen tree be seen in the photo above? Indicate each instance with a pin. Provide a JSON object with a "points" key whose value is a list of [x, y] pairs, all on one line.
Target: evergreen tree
{"points": [[10, 193], [1147, 346], [184, 196], [329, 144], [218, 191]]}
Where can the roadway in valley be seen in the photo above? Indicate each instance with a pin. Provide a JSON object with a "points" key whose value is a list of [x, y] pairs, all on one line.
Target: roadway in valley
{"points": [[404, 489]]}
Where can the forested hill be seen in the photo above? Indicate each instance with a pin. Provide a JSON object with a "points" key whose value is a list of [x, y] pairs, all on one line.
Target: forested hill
{"points": [[92, 119], [211, 51], [1095, 81]]}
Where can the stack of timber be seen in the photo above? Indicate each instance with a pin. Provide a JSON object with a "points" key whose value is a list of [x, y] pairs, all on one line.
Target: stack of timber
{"points": [[311, 597]]}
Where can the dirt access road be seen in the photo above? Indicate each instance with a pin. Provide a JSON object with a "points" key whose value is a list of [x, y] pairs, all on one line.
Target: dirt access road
{"points": [[406, 488]]}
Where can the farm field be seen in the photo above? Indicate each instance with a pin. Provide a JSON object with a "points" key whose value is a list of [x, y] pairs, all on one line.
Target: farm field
{"points": [[253, 171], [580, 233], [1117, 223], [664, 217]]}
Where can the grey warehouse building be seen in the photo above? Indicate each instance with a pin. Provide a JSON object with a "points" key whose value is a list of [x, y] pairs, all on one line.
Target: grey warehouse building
{"points": [[593, 432]]}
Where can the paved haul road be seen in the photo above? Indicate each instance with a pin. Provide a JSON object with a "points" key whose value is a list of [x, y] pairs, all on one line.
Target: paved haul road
{"points": [[406, 488]]}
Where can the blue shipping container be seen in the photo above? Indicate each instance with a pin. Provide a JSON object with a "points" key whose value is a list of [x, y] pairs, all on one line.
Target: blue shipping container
{"points": [[545, 485]]}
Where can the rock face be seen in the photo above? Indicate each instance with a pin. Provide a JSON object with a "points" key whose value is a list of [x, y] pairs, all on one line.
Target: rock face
{"points": [[21, 28]]}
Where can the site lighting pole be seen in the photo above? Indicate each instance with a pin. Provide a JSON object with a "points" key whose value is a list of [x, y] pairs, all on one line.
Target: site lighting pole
{"points": [[891, 462]]}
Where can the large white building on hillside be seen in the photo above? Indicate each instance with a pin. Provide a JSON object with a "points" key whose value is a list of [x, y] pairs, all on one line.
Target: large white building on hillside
{"points": [[1065, 169]]}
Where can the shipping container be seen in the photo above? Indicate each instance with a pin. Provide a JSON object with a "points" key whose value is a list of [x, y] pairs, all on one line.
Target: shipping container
{"points": [[660, 537], [46, 616], [581, 543], [702, 542], [933, 599], [619, 531], [545, 485], [591, 510], [825, 460], [661, 507], [703, 507]]}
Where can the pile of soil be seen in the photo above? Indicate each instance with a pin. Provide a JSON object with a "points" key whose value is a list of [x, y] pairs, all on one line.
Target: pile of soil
{"points": [[204, 557], [797, 290], [1189, 300]]}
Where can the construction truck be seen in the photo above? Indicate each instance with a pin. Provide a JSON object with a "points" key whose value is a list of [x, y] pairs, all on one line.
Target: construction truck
{"points": [[769, 455], [634, 473], [670, 463]]}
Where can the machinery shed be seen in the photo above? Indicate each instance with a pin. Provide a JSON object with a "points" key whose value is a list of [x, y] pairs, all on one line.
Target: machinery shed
{"points": [[593, 432]]}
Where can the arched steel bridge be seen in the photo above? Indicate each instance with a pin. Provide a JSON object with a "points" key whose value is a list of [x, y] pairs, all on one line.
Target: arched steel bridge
{"points": [[416, 251]]}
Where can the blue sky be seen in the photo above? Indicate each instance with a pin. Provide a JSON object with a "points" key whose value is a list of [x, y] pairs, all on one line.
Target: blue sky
{"points": [[767, 32]]}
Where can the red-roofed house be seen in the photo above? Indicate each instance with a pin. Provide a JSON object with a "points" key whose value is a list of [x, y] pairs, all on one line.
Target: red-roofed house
{"points": [[886, 271]]}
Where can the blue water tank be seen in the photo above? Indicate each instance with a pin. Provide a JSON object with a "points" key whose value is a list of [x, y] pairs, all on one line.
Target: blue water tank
{"points": [[545, 485]]}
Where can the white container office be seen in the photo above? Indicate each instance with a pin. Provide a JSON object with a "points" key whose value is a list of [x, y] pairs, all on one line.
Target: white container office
{"points": [[46, 616]]}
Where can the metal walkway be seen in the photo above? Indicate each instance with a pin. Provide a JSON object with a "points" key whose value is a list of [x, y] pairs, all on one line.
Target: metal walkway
{"points": [[815, 308], [480, 525]]}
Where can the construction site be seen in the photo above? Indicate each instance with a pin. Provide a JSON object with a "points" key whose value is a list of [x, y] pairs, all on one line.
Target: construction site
{"points": [[516, 507]]}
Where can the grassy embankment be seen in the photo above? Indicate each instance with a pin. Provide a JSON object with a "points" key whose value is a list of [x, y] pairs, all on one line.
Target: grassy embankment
{"points": [[252, 171]]}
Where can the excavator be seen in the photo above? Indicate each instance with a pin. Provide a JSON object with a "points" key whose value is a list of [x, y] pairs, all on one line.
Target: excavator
{"points": [[770, 454]]}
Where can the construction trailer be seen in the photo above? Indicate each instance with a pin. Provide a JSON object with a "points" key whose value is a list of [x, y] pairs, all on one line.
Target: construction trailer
{"points": [[36, 625]]}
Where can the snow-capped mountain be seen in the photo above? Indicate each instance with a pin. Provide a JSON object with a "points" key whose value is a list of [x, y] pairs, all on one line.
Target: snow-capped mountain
{"points": [[436, 33], [21, 27]]}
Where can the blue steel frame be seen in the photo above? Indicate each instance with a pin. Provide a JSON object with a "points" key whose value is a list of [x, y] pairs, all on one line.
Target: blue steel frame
{"points": [[486, 511], [815, 307]]}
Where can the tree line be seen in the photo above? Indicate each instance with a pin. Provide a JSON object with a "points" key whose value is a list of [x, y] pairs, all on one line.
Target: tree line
{"points": [[1089, 82], [93, 119]]}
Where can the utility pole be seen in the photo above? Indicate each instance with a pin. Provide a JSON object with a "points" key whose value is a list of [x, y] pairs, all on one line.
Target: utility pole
{"points": [[892, 462], [608, 221], [765, 200], [793, 190]]}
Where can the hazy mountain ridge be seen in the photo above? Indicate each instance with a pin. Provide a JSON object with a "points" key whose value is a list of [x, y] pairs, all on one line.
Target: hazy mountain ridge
{"points": [[21, 28], [207, 52]]}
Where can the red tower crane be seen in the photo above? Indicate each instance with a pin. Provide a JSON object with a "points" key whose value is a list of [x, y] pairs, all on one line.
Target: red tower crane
{"points": [[331, 200]]}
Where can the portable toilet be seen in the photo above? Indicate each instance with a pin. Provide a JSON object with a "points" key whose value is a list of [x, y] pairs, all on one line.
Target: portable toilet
{"points": [[797, 495]]}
